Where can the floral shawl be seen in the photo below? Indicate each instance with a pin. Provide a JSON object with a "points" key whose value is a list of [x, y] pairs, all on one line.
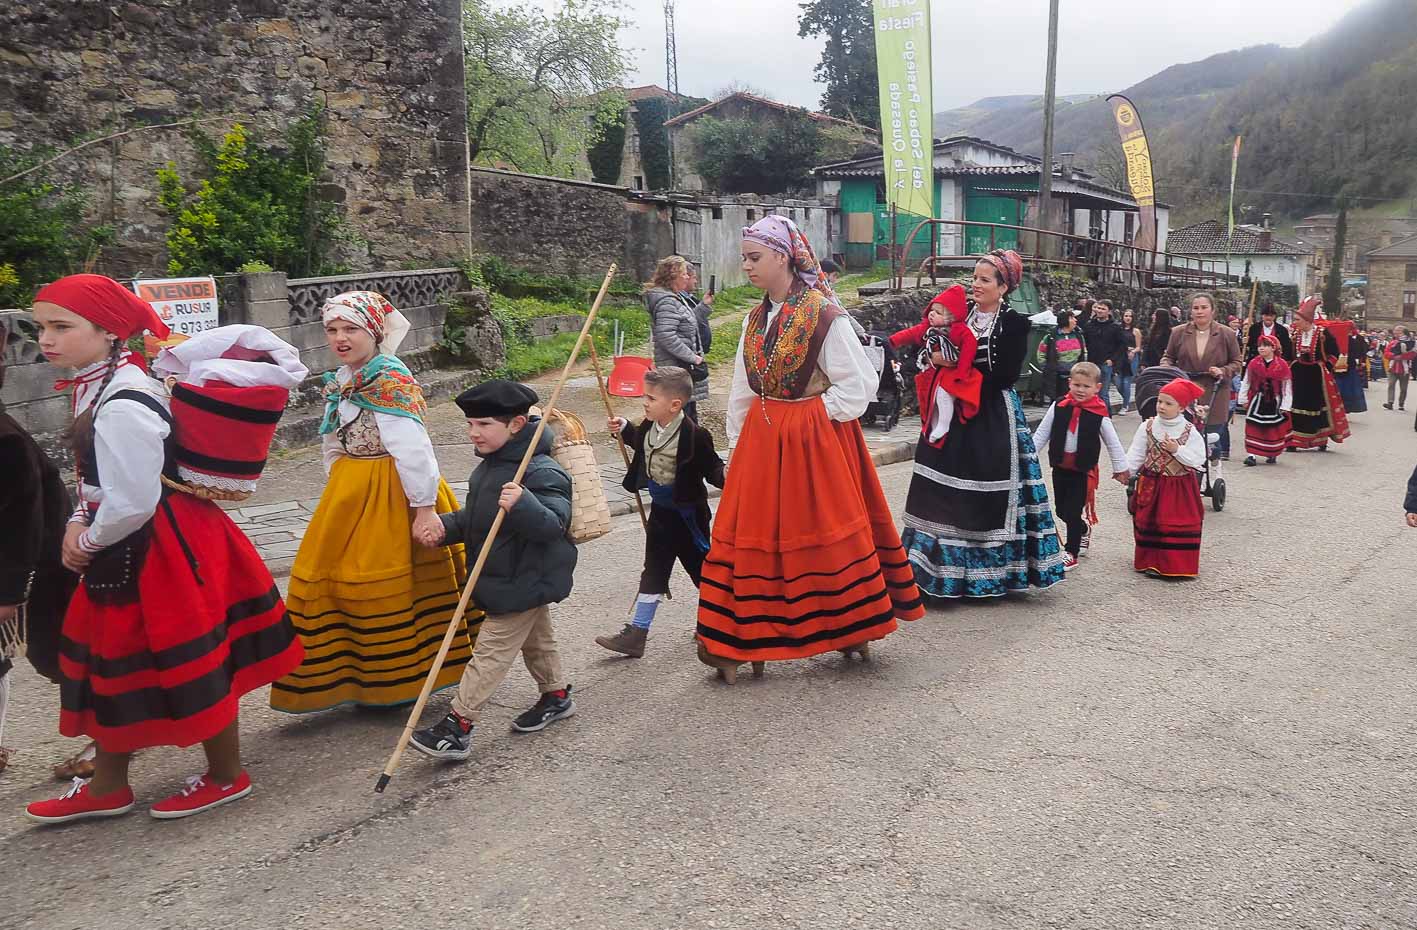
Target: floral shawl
{"points": [[383, 385]]}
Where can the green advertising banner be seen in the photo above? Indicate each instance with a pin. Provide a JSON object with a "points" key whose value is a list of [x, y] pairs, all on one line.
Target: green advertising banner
{"points": [[907, 123]]}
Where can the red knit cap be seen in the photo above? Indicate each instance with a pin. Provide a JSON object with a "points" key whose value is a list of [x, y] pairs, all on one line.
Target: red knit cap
{"points": [[953, 300], [105, 303], [1184, 392]]}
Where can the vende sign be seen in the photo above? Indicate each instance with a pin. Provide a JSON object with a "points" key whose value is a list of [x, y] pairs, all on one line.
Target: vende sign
{"points": [[187, 305]]}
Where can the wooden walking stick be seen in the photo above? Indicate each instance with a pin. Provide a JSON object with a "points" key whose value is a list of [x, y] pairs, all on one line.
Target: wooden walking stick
{"points": [[476, 572]]}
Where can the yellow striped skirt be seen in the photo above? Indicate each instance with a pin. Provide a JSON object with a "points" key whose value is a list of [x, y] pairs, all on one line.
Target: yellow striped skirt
{"points": [[369, 604]]}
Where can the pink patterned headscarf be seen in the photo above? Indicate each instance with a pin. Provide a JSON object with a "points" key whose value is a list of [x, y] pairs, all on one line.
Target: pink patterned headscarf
{"points": [[782, 235], [371, 312], [1008, 264]]}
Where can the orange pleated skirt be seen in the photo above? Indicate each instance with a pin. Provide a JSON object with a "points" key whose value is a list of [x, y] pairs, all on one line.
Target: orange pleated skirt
{"points": [[805, 555]]}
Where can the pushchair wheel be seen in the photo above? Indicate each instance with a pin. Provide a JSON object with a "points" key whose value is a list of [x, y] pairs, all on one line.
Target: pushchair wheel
{"points": [[1217, 495]]}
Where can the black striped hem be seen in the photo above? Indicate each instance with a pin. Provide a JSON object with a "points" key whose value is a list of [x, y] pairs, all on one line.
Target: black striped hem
{"points": [[159, 704], [174, 656], [792, 642], [309, 668], [873, 578], [413, 619], [361, 683], [845, 610], [783, 580], [184, 394]]}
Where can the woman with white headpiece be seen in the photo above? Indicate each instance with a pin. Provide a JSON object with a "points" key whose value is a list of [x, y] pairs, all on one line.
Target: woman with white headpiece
{"points": [[369, 604]]}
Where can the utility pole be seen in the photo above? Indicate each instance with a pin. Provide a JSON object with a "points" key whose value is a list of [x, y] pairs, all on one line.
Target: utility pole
{"points": [[1050, 96], [671, 80]]}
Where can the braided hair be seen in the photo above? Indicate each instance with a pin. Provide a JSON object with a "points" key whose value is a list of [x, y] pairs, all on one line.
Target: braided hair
{"points": [[81, 432]]}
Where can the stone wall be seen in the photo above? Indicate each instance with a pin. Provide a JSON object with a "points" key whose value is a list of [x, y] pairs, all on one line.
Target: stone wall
{"points": [[390, 76], [561, 226]]}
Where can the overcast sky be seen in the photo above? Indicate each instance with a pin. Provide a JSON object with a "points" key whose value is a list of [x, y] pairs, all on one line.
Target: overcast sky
{"points": [[981, 49]]}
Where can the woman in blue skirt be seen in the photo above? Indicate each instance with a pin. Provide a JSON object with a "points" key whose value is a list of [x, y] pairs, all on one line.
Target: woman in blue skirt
{"points": [[977, 519]]}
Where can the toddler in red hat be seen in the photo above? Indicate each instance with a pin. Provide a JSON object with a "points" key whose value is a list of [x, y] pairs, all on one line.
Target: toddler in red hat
{"points": [[1166, 454], [947, 378]]}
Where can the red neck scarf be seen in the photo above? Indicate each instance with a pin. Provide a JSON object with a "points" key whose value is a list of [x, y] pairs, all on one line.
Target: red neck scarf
{"points": [[1094, 404]]}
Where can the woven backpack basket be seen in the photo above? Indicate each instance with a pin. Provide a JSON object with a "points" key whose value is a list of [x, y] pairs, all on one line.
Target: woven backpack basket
{"points": [[590, 511]]}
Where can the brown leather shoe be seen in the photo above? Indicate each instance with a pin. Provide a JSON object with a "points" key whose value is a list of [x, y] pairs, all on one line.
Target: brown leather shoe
{"points": [[630, 641]]}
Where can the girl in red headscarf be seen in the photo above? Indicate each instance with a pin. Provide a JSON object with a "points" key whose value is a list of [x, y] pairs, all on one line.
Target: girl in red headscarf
{"points": [[176, 616], [1267, 394], [1166, 453]]}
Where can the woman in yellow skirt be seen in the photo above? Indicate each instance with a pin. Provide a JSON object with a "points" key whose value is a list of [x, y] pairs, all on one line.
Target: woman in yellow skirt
{"points": [[370, 606]]}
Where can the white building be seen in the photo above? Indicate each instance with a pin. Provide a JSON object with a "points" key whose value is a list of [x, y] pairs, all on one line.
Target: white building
{"points": [[1251, 247]]}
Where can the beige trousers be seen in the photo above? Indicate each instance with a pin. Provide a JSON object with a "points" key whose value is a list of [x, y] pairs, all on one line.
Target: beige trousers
{"points": [[499, 640]]}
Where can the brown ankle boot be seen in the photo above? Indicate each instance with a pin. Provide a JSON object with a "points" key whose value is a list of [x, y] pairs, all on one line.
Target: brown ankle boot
{"points": [[630, 641]]}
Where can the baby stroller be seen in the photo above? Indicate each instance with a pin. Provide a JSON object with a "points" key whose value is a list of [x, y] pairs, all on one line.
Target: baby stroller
{"points": [[885, 409], [1148, 385]]}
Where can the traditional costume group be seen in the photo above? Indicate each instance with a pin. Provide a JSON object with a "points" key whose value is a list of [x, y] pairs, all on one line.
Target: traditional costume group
{"points": [[370, 605], [804, 556], [977, 520]]}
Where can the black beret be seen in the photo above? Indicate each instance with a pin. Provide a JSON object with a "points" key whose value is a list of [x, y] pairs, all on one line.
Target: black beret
{"points": [[496, 398]]}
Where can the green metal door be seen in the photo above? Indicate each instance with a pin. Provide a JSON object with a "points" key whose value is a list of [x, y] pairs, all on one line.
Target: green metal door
{"points": [[981, 209]]}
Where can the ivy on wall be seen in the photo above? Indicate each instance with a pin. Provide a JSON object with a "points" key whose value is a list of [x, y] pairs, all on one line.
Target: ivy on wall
{"points": [[650, 115], [607, 148]]}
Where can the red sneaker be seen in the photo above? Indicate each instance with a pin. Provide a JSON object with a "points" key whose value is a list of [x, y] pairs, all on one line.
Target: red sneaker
{"points": [[201, 793], [1070, 561], [79, 804]]}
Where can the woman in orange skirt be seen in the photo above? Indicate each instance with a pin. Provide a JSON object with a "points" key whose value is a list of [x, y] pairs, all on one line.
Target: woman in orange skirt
{"points": [[805, 556]]}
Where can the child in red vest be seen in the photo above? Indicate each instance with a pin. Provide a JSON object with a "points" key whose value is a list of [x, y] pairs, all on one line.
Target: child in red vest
{"points": [[1074, 451], [944, 332]]}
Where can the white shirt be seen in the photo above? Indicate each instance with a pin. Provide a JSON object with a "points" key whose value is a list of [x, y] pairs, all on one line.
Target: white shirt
{"points": [[1115, 452], [128, 450], [842, 360], [406, 440], [1191, 455]]}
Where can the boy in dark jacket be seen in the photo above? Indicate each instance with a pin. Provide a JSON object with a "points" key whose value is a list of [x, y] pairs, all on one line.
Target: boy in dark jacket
{"points": [[674, 457], [528, 568]]}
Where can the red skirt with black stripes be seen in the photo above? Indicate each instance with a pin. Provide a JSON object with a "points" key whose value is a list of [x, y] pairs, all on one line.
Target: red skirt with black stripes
{"points": [[805, 555], [167, 664], [1167, 525]]}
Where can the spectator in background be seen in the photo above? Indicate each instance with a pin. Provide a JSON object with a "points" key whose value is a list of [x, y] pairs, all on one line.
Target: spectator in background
{"points": [[1398, 356], [1105, 341], [831, 271], [1157, 336], [1129, 359], [674, 325], [702, 309], [1059, 351]]}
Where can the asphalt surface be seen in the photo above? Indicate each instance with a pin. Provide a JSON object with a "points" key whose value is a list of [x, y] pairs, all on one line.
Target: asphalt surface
{"points": [[1118, 752]]}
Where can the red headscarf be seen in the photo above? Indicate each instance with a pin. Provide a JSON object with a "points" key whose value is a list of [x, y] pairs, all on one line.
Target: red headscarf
{"points": [[1184, 392], [1008, 265], [105, 303]]}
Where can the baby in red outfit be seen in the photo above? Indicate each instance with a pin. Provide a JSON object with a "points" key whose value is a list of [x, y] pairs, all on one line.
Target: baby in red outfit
{"points": [[940, 388]]}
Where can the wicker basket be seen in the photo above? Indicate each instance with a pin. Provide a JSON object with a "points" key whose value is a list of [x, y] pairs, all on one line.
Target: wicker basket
{"points": [[590, 511]]}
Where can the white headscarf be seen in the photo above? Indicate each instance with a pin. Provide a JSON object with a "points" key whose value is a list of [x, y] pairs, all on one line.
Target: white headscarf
{"points": [[372, 313]]}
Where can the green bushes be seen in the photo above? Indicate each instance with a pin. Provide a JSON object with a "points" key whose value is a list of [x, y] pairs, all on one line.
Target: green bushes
{"points": [[527, 356], [42, 230]]}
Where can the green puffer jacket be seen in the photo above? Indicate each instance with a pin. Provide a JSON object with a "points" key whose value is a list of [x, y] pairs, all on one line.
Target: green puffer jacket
{"points": [[532, 561]]}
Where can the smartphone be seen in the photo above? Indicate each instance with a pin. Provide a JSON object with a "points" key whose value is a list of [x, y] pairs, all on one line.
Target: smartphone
{"points": [[713, 284]]}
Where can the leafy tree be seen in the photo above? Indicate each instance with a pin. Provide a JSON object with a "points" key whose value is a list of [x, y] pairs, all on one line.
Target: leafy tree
{"points": [[43, 235], [538, 83], [736, 156], [848, 63], [257, 204], [607, 148], [650, 115], [1333, 287]]}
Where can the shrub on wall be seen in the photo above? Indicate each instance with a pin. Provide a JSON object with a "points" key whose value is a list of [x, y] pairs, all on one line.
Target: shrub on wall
{"points": [[650, 115], [257, 204], [42, 230]]}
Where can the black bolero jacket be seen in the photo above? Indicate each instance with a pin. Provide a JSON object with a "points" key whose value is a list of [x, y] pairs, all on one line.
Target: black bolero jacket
{"points": [[1008, 349]]}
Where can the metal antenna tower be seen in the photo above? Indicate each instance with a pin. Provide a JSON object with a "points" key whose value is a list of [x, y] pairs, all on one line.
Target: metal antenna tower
{"points": [[671, 53]]}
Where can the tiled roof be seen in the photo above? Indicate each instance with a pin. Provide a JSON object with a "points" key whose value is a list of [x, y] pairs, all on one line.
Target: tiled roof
{"points": [[1402, 248], [763, 101], [1210, 238]]}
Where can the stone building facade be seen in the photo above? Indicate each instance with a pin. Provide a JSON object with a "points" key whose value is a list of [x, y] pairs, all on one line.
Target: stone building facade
{"points": [[389, 75], [1391, 294]]}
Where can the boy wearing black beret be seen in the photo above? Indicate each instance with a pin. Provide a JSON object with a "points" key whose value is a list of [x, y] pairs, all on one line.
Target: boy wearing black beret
{"points": [[528, 568]]}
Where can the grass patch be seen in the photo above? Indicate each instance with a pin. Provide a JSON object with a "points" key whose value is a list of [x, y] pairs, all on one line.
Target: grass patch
{"points": [[528, 357]]}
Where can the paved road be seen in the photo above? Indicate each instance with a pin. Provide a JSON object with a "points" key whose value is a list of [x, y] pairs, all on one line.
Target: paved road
{"points": [[1120, 752]]}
